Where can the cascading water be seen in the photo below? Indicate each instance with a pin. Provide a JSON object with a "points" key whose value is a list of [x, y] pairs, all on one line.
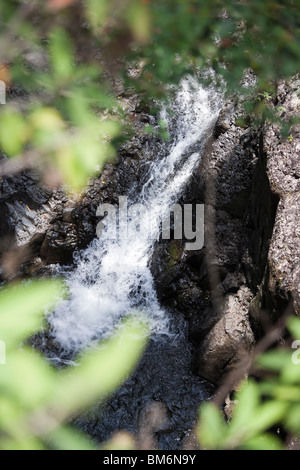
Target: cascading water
{"points": [[113, 278]]}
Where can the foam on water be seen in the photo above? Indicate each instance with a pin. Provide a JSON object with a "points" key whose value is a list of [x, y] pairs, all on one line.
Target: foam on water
{"points": [[112, 277]]}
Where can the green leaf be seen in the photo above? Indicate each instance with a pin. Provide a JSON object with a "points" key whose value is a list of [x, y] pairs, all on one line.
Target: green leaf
{"points": [[266, 416], [61, 55], [292, 419], [138, 17], [274, 360], [211, 430], [11, 412], [97, 11], [15, 433], [48, 128], [22, 308], [264, 441], [291, 373], [288, 393], [248, 402], [28, 378], [14, 132], [249, 425], [88, 153], [28, 442], [47, 118], [66, 438], [293, 324]]}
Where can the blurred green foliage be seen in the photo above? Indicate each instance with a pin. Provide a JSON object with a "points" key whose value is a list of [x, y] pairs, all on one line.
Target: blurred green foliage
{"points": [[35, 398], [65, 54], [260, 407]]}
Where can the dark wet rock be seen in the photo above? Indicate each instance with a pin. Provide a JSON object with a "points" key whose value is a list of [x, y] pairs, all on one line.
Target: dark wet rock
{"points": [[228, 341], [59, 243], [223, 122]]}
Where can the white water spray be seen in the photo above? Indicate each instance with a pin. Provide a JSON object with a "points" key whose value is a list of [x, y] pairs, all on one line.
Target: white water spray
{"points": [[113, 277]]}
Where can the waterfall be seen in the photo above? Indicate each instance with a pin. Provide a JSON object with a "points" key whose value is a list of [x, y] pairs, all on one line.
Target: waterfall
{"points": [[112, 277]]}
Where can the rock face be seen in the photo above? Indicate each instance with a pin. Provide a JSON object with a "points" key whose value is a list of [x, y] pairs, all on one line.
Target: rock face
{"points": [[249, 266], [248, 180], [283, 169], [27, 210]]}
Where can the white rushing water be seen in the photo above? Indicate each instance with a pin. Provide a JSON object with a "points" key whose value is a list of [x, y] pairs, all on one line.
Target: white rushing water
{"points": [[112, 277]]}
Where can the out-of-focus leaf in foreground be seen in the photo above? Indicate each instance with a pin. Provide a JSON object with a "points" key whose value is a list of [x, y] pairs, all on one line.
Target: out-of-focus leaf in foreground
{"points": [[103, 369], [22, 308], [35, 398]]}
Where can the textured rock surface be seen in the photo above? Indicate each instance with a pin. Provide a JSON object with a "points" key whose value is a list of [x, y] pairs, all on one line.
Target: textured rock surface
{"points": [[283, 167], [27, 210], [249, 182], [229, 340], [258, 235]]}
